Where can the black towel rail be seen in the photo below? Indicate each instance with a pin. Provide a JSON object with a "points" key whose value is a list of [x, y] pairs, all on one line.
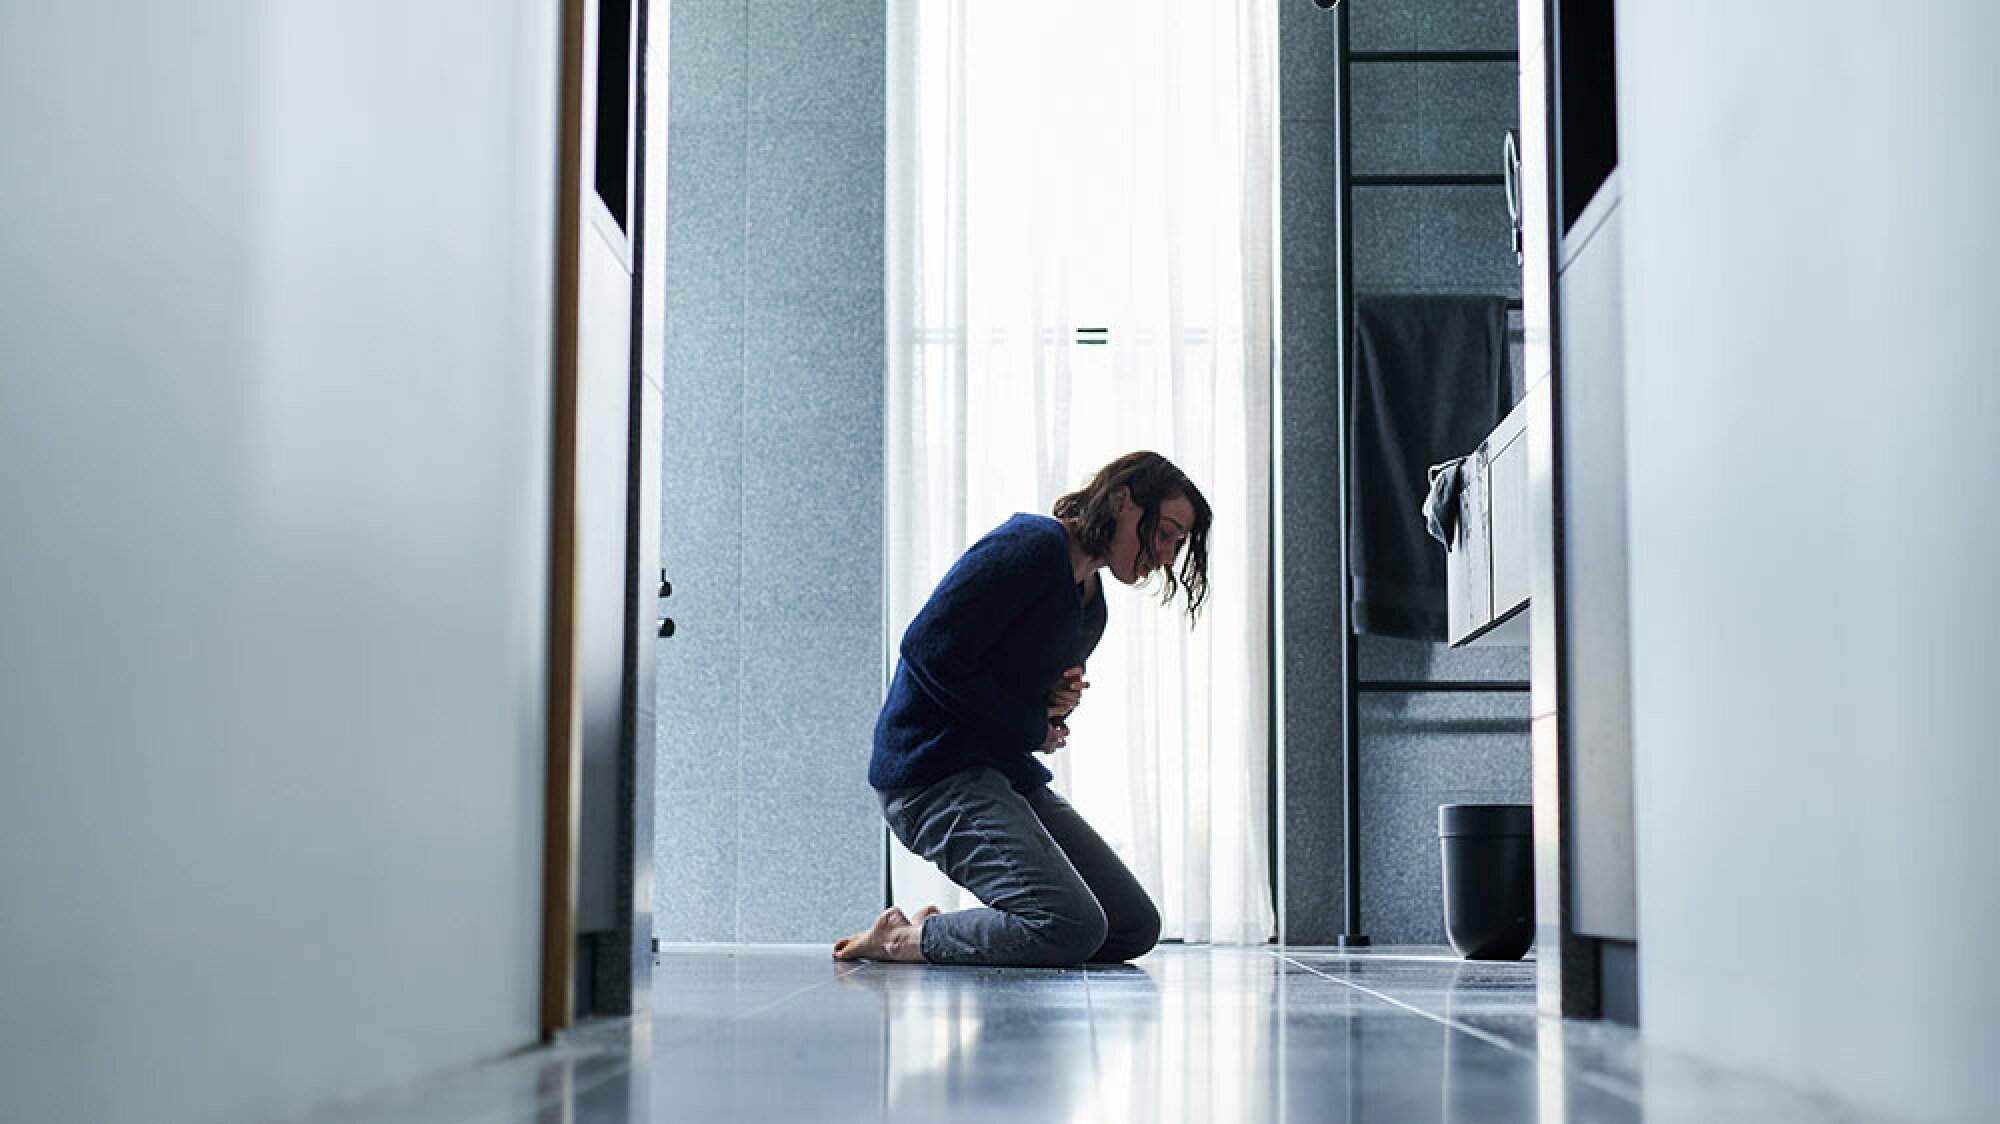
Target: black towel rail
{"points": [[1442, 686]]}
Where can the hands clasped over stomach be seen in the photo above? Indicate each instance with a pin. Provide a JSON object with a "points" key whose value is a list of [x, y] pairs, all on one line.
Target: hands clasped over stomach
{"points": [[1064, 695]]}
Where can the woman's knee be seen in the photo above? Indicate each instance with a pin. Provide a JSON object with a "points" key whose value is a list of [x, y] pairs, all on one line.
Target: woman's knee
{"points": [[1131, 935], [1072, 936]]}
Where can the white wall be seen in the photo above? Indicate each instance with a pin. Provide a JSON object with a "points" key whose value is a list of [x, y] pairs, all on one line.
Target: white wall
{"points": [[275, 338], [1814, 356]]}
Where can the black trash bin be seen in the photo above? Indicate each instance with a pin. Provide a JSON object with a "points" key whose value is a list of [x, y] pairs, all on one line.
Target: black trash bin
{"points": [[1489, 878]]}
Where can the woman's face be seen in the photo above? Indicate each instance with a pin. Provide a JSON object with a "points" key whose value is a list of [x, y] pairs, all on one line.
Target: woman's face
{"points": [[1130, 564]]}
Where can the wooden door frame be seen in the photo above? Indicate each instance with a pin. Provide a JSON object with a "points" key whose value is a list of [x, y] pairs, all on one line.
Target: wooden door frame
{"points": [[564, 718]]}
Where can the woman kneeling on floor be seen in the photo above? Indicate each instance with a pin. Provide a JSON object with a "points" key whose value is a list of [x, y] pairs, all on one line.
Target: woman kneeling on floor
{"points": [[990, 668]]}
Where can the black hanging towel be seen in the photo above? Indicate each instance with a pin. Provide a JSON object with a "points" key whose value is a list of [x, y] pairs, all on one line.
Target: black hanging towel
{"points": [[1430, 382]]}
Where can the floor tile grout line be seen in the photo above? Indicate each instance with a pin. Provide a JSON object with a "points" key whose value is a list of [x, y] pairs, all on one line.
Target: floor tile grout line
{"points": [[783, 999], [1533, 1056]]}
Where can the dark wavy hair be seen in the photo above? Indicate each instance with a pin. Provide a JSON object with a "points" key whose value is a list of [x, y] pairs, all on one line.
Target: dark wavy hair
{"points": [[1153, 479]]}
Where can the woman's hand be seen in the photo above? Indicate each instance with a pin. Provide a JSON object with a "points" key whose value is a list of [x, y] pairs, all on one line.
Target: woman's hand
{"points": [[1058, 738], [1066, 692]]}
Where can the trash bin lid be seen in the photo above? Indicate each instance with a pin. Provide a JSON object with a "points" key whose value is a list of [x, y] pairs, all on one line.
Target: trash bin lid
{"points": [[1486, 819]]}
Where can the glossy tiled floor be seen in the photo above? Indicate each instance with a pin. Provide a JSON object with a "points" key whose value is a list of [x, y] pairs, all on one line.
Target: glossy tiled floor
{"points": [[765, 1033]]}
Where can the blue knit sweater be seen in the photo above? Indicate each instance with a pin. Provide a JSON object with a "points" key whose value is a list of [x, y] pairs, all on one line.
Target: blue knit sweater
{"points": [[979, 659]]}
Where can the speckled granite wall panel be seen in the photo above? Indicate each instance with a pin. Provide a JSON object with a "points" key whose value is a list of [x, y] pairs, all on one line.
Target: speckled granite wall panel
{"points": [[701, 493], [772, 476], [810, 832], [1391, 657], [812, 486], [708, 74], [1311, 651], [701, 476], [705, 250], [1432, 25], [1310, 784], [1307, 174], [815, 207], [810, 60], [1431, 118], [695, 857], [1434, 240], [1305, 61], [1444, 742], [809, 863], [1420, 751]]}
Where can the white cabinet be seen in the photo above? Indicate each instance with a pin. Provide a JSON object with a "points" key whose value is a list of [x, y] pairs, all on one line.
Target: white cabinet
{"points": [[1487, 564], [1596, 650]]}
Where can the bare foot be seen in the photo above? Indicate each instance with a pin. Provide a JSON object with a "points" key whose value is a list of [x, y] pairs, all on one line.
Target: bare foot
{"points": [[893, 937]]}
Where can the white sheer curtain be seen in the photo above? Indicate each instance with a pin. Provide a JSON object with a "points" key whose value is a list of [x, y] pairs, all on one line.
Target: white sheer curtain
{"points": [[1059, 166]]}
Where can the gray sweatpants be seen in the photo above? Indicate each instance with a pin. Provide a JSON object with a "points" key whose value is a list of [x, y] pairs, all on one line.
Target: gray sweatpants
{"points": [[1055, 893]]}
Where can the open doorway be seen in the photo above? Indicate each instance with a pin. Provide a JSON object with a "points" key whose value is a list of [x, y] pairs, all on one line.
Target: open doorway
{"points": [[1080, 266]]}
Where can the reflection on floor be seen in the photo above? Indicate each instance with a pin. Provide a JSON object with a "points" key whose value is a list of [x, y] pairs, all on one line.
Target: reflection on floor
{"points": [[783, 1033]]}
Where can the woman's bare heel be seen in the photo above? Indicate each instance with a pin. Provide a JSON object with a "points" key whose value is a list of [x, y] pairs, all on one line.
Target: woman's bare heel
{"points": [[894, 937]]}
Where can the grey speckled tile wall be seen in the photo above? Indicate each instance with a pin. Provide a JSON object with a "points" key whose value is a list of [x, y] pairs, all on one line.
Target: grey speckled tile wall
{"points": [[1432, 25], [708, 72], [1421, 752], [815, 205], [695, 859], [1431, 118], [1310, 675], [1305, 61], [809, 720], [772, 473], [1389, 657], [1307, 174], [1310, 782], [1434, 240], [798, 853]]}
